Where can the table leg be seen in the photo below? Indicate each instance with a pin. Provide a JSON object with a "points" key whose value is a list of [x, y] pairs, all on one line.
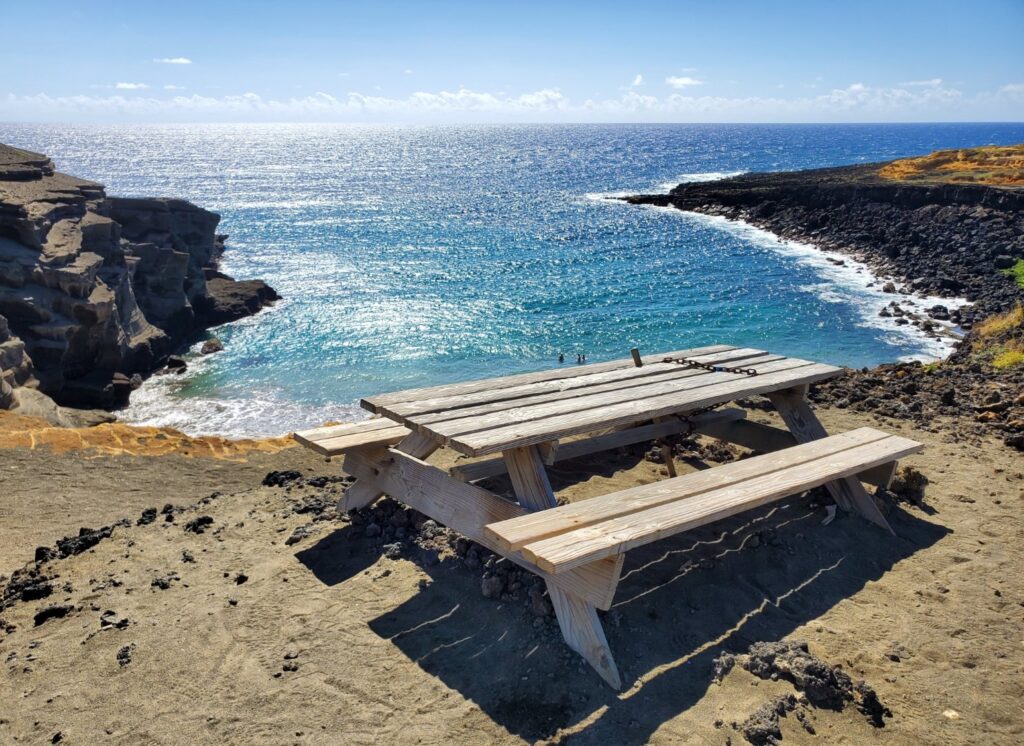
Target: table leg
{"points": [[577, 618], [848, 492], [363, 492]]}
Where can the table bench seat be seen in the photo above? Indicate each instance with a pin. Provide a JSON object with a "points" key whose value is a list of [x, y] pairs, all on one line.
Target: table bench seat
{"points": [[569, 536], [334, 440]]}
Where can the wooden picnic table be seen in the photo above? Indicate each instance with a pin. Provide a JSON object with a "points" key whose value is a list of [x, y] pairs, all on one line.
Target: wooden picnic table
{"points": [[579, 549]]}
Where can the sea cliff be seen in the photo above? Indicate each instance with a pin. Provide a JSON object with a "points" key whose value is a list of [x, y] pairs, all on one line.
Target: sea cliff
{"points": [[97, 291]]}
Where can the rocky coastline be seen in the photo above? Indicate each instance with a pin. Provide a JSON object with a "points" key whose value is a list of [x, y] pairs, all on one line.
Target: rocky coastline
{"points": [[949, 240], [936, 238], [98, 292]]}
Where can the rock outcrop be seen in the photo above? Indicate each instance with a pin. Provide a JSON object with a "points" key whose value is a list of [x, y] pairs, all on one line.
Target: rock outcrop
{"points": [[95, 289], [947, 239]]}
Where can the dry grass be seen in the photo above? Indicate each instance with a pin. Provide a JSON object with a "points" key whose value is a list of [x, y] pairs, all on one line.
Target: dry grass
{"points": [[992, 166], [18, 431], [1002, 323]]}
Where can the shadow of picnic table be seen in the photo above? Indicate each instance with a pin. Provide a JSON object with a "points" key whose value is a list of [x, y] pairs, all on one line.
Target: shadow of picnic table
{"points": [[681, 603]]}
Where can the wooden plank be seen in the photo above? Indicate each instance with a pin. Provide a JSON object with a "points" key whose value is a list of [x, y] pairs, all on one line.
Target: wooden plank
{"points": [[515, 534], [577, 619], [610, 538], [676, 375], [479, 402], [338, 444], [373, 403], [467, 509], [494, 466], [763, 438], [331, 431], [457, 426], [849, 494], [365, 491], [562, 426]]}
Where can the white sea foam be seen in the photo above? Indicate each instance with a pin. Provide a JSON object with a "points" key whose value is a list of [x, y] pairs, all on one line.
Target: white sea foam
{"points": [[665, 187], [668, 186], [846, 280], [162, 401]]}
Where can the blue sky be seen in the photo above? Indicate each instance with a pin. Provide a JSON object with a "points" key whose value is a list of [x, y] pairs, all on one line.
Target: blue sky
{"points": [[480, 61]]}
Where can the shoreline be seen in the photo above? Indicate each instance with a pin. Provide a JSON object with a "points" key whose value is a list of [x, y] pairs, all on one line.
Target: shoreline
{"points": [[848, 269]]}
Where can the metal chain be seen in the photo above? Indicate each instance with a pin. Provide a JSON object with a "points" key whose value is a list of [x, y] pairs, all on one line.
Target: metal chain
{"points": [[687, 363]]}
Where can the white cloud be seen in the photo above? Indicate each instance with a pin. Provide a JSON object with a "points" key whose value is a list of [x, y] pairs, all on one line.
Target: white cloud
{"points": [[173, 60], [856, 102], [637, 81], [930, 83], [131, 86], [682, 81], [172, 87], [407, 71], [344, 75]]}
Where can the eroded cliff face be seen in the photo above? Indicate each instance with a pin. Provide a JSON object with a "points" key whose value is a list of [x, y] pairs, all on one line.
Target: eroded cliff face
{"points": [[95, 289]]}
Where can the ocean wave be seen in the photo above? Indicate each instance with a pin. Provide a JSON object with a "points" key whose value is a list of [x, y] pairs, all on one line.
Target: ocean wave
{"points": [[163, 401], [848, 280], [664, 187]]}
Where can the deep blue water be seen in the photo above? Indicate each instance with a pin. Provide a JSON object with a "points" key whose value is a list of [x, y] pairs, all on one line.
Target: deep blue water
{"points": [[412, 256]]}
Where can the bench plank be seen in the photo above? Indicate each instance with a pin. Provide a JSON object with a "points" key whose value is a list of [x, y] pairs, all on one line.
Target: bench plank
{"points": [[333, 440], [767, 439], [617, 535], [531, 528]]}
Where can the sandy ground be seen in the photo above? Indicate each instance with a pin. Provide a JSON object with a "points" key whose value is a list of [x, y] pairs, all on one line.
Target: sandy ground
{"points": [[408, 650]]}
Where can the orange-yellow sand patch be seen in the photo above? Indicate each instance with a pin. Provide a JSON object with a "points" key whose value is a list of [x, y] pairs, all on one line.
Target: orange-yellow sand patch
{"points": [[992, 166], [18, 431]]}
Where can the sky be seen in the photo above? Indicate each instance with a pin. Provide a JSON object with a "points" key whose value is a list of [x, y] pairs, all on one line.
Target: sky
{"points": [[480, 61]]}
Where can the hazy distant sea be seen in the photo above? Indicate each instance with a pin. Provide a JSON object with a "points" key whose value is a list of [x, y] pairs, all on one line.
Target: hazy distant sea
{"points": [[409, 256]]}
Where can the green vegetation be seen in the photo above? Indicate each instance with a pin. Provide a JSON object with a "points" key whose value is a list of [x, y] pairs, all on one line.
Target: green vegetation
{"points": [[1004, 338], [1016, 272], [1009, 357]]}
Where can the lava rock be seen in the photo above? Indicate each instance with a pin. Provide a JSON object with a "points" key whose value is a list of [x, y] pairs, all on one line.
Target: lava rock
{"points": [[199, 524], [210, 346], [86, 539], [281, 478], [53, 611]]}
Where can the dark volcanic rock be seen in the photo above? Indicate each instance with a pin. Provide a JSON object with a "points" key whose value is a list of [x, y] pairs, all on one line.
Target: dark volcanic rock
{"points": [[199, 524], [281, 478], [229, 300], [26, 584], [87, 538], [824, 685], [95, 289], [943, 239], [53, 611]]}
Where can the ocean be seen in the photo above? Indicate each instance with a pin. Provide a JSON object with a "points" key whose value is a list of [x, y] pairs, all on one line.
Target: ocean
{"points": [[411, 256]]}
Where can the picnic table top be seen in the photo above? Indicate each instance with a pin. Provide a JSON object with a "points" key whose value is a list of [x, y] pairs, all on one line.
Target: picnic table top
{"points": [[498, 414]]}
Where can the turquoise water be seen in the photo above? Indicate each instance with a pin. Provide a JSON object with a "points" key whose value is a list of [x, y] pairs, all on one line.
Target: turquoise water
{"points": [[412, 256]]}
